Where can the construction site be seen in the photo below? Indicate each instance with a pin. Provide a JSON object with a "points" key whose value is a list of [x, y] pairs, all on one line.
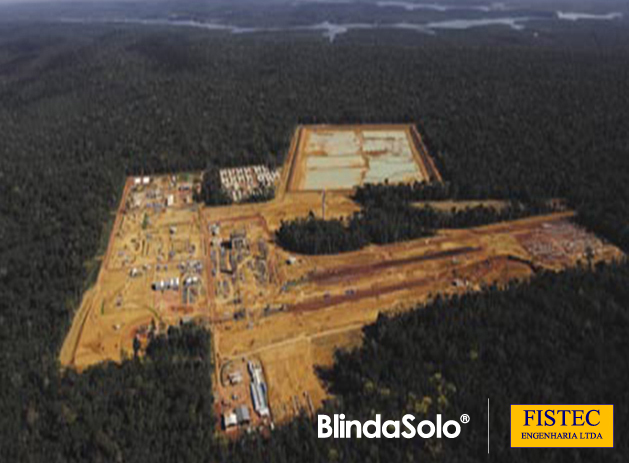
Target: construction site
{"points": [[276, 316]]}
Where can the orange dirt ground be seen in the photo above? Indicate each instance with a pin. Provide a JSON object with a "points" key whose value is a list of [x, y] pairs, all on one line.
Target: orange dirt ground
{"points": [[290, 312]]}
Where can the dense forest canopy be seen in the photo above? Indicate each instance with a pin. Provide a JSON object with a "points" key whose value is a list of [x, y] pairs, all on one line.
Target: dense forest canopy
{"points": [[392, 218], [505, 114], [454, 354], [135, 411], [212, 193]]}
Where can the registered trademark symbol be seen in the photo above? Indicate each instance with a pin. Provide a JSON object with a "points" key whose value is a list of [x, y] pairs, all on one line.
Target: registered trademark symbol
{"points": [[465, 418]]}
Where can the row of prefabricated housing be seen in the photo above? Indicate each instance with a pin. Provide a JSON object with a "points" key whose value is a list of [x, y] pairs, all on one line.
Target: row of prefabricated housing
{"points": [[241, 182], [247, 177]]}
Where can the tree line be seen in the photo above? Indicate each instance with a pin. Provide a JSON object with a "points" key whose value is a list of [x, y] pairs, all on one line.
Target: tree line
{"points": [[384, 223]]}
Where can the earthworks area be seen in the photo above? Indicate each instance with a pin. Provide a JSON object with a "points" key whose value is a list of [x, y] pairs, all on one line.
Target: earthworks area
{"points": [[275, 315]]}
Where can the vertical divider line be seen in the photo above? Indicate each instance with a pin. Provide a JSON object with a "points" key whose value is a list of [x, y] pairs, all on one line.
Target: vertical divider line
{"points": [[487, 425]]}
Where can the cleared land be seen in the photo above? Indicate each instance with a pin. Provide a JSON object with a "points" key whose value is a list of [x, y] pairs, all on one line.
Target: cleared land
{"points": [[342, 157], [288, 312], [151, 242]]}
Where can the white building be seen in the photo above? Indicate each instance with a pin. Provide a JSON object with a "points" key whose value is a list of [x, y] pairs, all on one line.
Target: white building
{"points": [[229, 420]]}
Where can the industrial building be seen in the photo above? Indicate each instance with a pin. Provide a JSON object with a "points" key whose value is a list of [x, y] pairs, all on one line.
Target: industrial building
{"points": [[235, 377], [229, 420], [258, 390], [163, 285], [242, 414]]}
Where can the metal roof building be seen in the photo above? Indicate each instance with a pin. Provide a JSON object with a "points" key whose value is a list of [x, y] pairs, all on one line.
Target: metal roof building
{"points": [[242, 414]]}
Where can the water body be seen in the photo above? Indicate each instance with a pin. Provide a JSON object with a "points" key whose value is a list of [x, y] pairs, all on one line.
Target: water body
{"points": [[154, 22], [571, 16], [332, 30], [328, 29], [410, 6], [462, 24]]}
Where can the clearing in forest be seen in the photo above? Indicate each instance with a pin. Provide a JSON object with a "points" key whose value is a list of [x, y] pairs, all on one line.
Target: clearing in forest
{"points": [[342, 157], [276, 316]]}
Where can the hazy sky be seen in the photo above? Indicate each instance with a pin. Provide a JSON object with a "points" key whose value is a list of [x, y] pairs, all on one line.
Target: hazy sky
{"points": [[76, 1], [520, 3]]}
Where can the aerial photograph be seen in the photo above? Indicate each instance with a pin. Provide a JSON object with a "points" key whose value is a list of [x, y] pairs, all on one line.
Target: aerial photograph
{"points": [[331, 231]]}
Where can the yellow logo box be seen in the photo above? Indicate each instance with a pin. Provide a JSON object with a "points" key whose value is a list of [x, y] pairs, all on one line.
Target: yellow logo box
{"points": [[562, 425]]}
